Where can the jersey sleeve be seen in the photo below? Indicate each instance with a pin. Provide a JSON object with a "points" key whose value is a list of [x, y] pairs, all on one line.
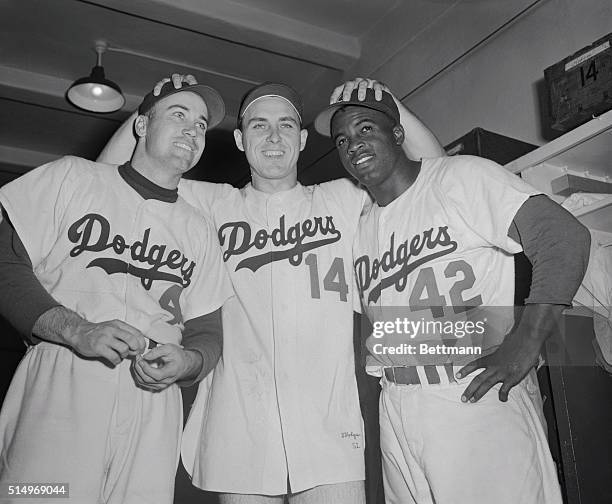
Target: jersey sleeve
{"points": [[210, 286], [349, 196], [557, 245], [35, 204], [203, 195], [486, 196], [204, 335]]}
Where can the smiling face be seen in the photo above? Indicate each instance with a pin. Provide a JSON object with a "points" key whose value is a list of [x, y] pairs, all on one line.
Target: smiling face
{"points": [[369, 146], [272, 139], [174, 132]]}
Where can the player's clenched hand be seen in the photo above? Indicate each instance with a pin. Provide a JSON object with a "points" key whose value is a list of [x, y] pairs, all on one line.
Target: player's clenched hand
{"points": [[515, 357], [165, 365], [343, 92], [112, 340], [177, 81]]}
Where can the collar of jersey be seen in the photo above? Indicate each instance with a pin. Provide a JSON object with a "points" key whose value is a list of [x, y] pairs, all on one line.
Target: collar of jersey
{"points": [[262, 206], [283, 197], [143, 186], [414, 188]]}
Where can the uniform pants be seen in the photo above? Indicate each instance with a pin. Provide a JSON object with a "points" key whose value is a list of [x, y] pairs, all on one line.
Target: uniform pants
{"points": [[438, 450], [71, 420], [350, 492]]}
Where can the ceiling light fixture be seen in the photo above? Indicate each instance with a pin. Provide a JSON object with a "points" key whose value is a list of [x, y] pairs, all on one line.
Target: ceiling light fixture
{"points": [[96, 93]]}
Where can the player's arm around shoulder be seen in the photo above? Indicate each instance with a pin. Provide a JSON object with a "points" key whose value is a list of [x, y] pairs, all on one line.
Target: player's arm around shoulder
{"points": [[205, 195], [120, 147], [419, 140], [349, 197]]}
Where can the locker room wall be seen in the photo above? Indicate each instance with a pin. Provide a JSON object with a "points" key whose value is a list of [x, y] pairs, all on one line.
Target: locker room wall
{"points": [[497, 85]]}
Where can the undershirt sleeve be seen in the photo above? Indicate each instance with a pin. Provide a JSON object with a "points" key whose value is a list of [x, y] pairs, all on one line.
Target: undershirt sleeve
{"points": [[204, 334], [22, 298], [556, 244]]}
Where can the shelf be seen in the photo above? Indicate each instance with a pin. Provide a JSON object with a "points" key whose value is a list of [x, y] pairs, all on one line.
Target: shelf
{"points": [[584, 152], [588, 148], [597, 216]]}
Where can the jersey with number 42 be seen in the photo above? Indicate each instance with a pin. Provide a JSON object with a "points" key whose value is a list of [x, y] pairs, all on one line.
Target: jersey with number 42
{"points": [[283, 405], [438, 252]]}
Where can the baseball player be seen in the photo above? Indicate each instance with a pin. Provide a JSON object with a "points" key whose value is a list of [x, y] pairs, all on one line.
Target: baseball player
{"points": [[127, 265], [284, 390], [436, 245]]}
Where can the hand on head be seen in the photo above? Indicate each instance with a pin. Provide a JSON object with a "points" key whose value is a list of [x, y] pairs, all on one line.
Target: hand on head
{"points": [[344, 91], [177, 81]]}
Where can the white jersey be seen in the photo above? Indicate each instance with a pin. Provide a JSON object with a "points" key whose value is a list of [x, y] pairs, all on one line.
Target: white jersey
{"points": [[102, 250], [283, 404], [441, 251], [440, 247]]}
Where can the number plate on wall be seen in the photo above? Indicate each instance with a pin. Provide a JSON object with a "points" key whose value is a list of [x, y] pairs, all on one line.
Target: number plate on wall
{"points": [[580, 86]]}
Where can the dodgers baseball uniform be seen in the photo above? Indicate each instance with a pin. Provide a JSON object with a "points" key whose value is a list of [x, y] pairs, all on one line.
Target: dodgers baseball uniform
{"points": [[284, 391], [443, 244], [103, 250]]}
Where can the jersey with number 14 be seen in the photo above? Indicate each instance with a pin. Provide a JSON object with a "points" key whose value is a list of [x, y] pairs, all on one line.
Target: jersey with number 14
{"points": [[438, 251], [283, 405]]}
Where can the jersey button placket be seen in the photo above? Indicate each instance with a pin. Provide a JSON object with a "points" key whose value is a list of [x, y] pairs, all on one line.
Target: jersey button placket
{"points": [[285, 330]]}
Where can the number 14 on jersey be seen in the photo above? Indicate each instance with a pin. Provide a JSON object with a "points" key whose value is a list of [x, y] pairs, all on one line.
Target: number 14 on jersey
{"points": [[334, 280]]}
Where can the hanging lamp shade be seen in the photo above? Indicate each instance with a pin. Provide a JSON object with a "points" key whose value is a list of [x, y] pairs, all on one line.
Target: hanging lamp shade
{"points": [[96, 93]]}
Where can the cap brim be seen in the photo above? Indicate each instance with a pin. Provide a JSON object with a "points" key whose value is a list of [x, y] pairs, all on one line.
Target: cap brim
{"points": [[269, 89], [213, 100], [271, 96], [322, 123]]}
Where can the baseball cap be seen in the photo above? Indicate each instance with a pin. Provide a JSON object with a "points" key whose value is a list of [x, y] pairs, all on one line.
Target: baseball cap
{"points": [[213, 100], [271, 89], [387, 106]]}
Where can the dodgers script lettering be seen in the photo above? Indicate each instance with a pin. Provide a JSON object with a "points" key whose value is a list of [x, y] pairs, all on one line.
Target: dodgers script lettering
{"points": [[237, 238], [92, 233], [368, 270]]}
